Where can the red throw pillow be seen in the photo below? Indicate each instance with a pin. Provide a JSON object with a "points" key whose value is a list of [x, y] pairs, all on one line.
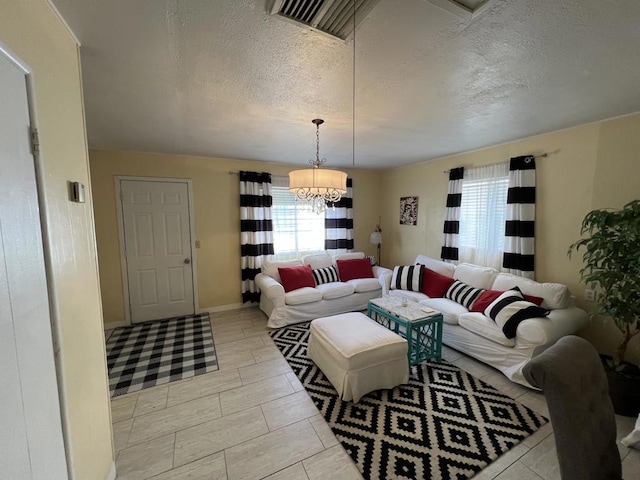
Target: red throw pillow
{"points": [[355, 268], [485, 299], [537, 300], [296, 277], [435, 284]]}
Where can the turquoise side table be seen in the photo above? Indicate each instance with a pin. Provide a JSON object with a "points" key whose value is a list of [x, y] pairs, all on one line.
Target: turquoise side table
{"points": [[421, 329]]}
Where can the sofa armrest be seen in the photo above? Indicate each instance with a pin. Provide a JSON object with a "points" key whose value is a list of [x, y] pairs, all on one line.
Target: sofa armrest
{"points": [[548, 330], [271, 288], [384, 277]]}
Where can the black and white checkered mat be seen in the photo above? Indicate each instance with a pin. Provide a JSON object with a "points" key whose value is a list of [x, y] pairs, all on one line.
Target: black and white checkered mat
{"points": [[155, 353]]}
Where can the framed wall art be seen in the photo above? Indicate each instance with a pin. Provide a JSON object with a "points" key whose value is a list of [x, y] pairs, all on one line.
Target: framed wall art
{"points": [[408, 210]]}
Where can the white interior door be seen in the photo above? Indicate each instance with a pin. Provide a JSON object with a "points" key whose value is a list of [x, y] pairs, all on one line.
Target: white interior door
{"points": [[157, 237], [31, 439]]}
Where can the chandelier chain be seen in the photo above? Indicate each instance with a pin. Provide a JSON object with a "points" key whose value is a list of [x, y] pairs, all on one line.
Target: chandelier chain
{"points": [[353, 118]]}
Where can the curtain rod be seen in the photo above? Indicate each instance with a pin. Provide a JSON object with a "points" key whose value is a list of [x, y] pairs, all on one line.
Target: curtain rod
{"points": [[542, 155]]}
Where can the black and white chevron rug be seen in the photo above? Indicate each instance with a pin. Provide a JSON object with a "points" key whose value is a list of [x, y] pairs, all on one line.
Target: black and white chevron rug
{"points": [[154, 353], [444, 424]]}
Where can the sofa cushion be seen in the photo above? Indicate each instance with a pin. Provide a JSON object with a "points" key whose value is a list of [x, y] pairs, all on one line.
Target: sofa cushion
{"points": [[271, 268], [450, 309], [293, 278], [318, 260], [302, 295], [365, 284], [476, 276], [510, 308], [484, 300], [325, 275], [439, 266], [462, 293], [354, 268], [407, 277], [554, 295], [348, 256], [435, 284], [547, 330], [485, 327], [415, 296], [335, 290]]}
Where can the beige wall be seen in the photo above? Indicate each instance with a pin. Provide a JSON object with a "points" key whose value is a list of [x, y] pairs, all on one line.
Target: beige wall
{"points": [[217, 218], [590, 166], [31, 29]]}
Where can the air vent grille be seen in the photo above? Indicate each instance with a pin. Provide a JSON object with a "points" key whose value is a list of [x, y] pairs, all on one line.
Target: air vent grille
{"points": [[463, 8], [334, 17]]}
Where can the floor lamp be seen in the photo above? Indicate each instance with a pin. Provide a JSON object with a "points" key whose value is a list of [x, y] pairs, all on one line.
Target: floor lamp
{"points": [[376, 239]]}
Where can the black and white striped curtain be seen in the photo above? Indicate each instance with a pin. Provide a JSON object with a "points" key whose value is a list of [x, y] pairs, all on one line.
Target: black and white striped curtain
{"points": [[452, 216], [519, 245], [338, 223], [256, 229]]}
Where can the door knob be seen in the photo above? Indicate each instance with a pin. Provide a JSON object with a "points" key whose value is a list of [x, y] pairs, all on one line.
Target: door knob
{"points": [[187, 261]]}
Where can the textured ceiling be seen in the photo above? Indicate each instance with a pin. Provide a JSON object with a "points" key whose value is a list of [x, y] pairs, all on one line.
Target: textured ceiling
{"points": [[222, 78]]}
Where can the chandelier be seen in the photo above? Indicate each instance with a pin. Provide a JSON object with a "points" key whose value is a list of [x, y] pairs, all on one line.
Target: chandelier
{"points": [[316, 186]]}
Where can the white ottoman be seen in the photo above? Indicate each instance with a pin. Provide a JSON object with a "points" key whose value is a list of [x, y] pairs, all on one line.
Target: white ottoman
{"points": [[357, 354]]}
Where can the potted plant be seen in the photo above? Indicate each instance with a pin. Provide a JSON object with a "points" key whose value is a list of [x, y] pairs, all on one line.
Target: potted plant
{"points": [[611, 241]]}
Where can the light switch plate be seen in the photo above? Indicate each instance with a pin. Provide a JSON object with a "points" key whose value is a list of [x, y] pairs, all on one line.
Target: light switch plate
{"points": [[77, 192]]}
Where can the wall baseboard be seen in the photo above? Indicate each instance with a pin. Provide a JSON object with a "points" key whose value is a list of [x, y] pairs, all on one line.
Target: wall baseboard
{"points": [[219, 308], [225, 308], [112, 472], [112, 325]]}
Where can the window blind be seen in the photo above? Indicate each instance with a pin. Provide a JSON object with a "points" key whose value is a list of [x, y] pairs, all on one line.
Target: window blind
{"points": [[296, 230], [483, 213]]}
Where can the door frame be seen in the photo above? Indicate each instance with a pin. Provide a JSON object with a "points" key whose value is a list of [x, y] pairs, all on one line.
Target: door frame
{"points": [[123, 259]]}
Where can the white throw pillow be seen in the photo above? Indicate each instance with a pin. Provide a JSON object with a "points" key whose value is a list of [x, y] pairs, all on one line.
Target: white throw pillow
{"points": [[443, 268], [555, 295], [325, 275], [475, 275], [407, 277], [510, 308], [462, 293], [318, 260]]}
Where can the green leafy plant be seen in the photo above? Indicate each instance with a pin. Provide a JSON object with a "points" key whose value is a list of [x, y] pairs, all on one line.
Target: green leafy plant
{"points": [[611, 243]]}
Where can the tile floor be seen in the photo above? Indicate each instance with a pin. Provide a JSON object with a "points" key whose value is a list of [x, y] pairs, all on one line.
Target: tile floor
{"points": [[252, 419]]}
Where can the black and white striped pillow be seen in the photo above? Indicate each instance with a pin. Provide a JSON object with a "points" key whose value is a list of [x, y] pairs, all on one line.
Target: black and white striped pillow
{"points": [[510, 308], [408, 277], [325, 275], [462, 293]]}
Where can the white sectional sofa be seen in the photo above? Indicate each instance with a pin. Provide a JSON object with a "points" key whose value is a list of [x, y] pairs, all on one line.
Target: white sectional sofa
{"points": [[478, 336], [303, 304]]}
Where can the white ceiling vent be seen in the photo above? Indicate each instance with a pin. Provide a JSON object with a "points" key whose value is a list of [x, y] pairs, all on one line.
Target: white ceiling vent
{"points": [[463, 8], [334, 17]]}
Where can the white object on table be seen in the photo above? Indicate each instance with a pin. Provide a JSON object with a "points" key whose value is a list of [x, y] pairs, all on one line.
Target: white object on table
{"points": [[411, 312], [633, 439]]}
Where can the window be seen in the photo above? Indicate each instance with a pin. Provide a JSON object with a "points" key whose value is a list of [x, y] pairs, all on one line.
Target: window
{"points": [[483, 215], [296, 230]]}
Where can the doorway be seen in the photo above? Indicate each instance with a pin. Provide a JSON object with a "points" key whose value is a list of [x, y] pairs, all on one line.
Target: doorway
{"points": [[157, 247]]}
